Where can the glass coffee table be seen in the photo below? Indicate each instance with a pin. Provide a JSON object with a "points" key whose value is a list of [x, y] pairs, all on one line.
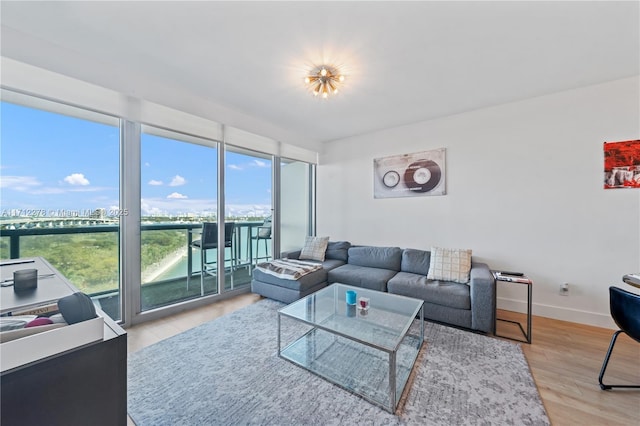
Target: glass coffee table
{"points": [[368, 352]]}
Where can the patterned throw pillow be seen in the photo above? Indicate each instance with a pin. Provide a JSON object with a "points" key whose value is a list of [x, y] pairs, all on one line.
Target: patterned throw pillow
{"points": [[314, 248], [450, 265]]}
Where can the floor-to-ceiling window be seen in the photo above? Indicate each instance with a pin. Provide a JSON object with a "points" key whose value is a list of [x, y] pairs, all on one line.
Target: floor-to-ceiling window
{"points": [[248, 205], [178, 195], [65, 171], [60, 193]]}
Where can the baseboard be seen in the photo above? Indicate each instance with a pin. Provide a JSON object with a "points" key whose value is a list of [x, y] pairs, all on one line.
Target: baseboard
{"points": [[559, 313]]}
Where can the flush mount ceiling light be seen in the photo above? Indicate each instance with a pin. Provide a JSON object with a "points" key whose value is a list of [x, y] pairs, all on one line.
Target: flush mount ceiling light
{"points": [[324, 81]]}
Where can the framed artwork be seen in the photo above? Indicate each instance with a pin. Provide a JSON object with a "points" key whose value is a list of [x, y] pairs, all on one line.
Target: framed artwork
{"points": [[622, 164], [410, 175]]}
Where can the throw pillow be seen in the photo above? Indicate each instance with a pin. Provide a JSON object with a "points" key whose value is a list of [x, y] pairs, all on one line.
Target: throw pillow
{"points": [[264, 232], [450, 265], [314, 248]]}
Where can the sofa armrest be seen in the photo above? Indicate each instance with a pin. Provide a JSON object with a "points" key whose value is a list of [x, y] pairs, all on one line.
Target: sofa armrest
{"points": [[483, 298], [290, 254]]}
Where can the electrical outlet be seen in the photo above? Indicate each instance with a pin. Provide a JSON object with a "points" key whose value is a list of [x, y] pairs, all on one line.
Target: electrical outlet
{"points": [[564, 289]]}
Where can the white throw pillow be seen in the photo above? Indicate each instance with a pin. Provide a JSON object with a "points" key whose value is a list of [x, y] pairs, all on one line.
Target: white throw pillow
{"points": [[314, 248], [450, 265]]}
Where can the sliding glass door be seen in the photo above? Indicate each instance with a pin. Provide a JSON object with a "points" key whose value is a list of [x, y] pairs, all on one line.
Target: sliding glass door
{"points": [[178, 195], [248, 206]]}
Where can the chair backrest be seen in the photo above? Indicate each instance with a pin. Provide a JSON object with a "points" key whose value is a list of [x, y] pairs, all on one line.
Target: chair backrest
{"points": [[228, 231], [210, 232], [625, 311], [264, 231]]}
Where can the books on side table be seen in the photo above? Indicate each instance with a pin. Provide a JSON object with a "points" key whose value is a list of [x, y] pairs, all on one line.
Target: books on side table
{"points": [[514, 277], [632, 279]]}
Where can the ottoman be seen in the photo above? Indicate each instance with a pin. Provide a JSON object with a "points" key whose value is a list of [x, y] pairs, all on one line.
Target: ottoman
{"points": [[284, 290], [289, 291]]}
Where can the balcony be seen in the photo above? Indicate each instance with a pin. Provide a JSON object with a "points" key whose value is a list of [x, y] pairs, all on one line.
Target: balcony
{"points": [[87, 254]]}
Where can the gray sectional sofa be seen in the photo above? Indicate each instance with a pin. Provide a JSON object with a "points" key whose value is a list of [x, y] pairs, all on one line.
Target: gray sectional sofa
{"points": [[398, 271]]}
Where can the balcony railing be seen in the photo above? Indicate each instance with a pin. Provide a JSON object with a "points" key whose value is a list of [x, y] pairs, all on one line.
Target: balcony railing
{"points": [[161, 289]]}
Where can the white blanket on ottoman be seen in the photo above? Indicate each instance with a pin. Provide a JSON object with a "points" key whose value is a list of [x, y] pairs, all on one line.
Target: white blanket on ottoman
{"points": [[288, 269]]}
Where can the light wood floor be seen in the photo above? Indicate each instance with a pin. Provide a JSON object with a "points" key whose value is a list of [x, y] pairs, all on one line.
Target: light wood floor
{"points": [[565, 359]]}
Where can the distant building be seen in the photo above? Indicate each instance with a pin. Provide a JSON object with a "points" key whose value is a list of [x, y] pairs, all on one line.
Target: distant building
{"points": [[99, 213]]}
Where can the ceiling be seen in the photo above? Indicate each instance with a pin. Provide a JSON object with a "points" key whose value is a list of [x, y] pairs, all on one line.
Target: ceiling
{"points": [[405, 61]]}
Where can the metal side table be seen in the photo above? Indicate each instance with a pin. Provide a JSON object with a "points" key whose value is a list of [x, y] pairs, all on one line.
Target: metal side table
{"points": [[524, 280]]}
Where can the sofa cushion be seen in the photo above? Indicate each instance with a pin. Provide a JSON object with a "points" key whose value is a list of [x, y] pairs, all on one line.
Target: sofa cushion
{"points": [[361, 276], [415, 261], [330, 264], [338, 250], [314, 248], [444, 293], [450, 264], [376, 257], [301, 284]]}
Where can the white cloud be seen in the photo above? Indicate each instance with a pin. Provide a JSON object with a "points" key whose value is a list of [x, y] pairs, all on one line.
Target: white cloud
{"points": [[77, 179], [155, 182], [147, 164], [154, 211], [249, 210], [19, 183], [48, 190], [199, 207], [33, 186], [252, 163], [148, 209], [177, 195], [177, 181], [45, 190], [166, 206]]}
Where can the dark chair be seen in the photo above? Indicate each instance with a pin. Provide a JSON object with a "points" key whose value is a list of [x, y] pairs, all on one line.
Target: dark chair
{"points": [[264, 234], [625, 311], [209, 240]]}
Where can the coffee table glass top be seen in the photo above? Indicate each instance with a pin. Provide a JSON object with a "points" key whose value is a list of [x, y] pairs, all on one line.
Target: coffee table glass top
{"points": [[383, 325]]}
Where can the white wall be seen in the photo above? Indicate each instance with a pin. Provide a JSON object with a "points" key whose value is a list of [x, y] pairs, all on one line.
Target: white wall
{"points": [[524, 191]]}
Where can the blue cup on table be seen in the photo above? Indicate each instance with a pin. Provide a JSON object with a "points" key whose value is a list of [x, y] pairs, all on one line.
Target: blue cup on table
{"points": [[351, 297]]}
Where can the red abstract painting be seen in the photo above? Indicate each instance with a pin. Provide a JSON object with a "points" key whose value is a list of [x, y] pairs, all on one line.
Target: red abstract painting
{"points": [[622, 164]]}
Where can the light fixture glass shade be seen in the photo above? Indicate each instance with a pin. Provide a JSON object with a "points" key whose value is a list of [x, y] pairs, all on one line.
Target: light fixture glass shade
{"points": [[324, 81]]}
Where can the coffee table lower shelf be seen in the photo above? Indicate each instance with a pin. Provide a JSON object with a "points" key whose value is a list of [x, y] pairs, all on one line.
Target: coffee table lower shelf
{"points": [[359, 368]]}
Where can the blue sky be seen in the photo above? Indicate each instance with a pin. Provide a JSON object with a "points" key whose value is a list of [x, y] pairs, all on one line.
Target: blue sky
{"points": [[54, 162]]}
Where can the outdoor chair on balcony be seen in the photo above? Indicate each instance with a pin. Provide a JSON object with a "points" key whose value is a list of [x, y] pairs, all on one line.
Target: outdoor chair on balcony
{"points": [[208, 241], [264, 234]]}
